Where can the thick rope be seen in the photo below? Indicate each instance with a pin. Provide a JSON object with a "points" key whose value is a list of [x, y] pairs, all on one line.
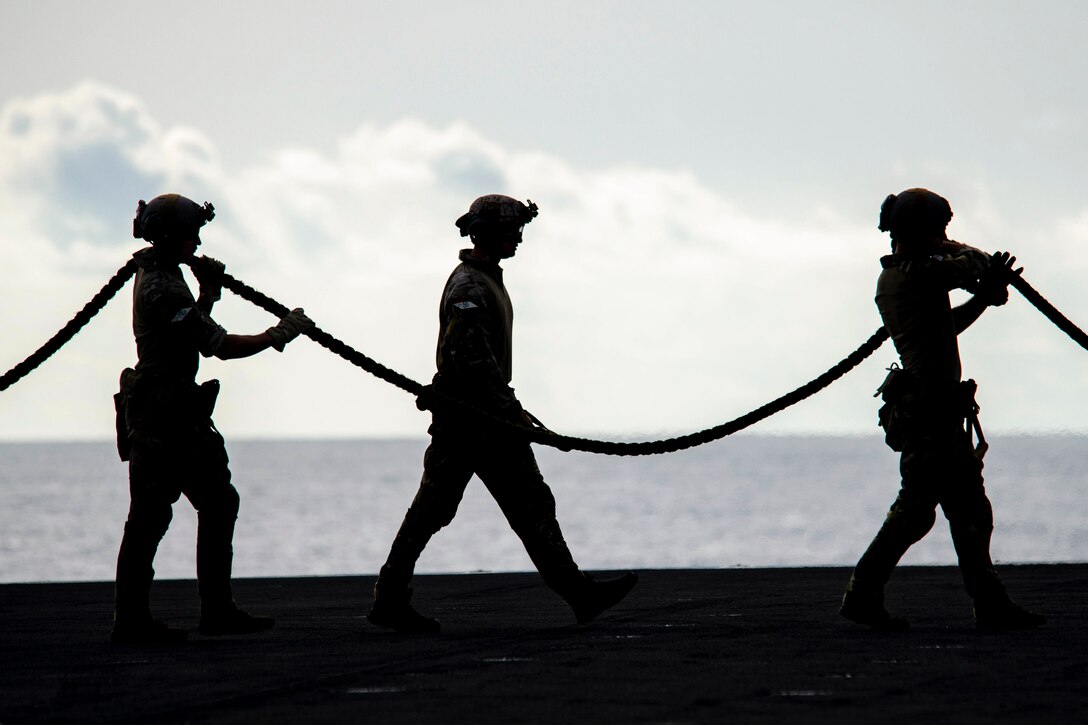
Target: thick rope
{"points": [[1040, 303], [718, 432], [540, 435], [323, 338], [69, 331]]}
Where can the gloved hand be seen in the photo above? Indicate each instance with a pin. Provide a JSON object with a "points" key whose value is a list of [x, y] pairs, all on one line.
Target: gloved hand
{"points": [[993, 284], [293, 324], [209, 273], [529, 420], [532, 422], [423, 400]]}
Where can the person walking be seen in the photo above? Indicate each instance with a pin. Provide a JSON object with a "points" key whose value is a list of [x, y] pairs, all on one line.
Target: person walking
{"points": [[474, 356], [929, 412], [165, 430]]}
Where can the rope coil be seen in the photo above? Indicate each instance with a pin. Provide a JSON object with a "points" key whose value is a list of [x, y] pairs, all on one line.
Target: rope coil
{"points": [[536, 435]]}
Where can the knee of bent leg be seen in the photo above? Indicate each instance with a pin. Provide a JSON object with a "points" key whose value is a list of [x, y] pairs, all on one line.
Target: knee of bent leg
{"points": [[149, 517], [436, 502], [432, 515], [219, 502], [540, 506], [228, 502], [914, 517], [971, 511]]}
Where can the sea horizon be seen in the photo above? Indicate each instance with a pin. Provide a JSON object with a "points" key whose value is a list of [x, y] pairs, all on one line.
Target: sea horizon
{"points": [[330, 507]]}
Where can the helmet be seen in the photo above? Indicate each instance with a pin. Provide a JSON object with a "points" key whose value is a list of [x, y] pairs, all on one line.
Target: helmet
{"points": [[169, 215], [493, 210], [913, 211]]}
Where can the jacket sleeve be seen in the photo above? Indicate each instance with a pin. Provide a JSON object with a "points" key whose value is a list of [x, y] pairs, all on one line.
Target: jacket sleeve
{"points": [[170, 307], [208, 334], [470, 348], [960, 270]]}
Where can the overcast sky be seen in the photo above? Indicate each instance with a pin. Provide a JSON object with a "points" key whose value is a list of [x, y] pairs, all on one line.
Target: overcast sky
{"points": [[708, 174]]}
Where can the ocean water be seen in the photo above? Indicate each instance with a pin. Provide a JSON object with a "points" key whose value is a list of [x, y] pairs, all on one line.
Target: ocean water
{"points": [[328, 508]]}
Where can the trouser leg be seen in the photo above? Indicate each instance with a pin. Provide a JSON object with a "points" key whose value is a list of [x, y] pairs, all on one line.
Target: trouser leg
{"points": [[514, 480], [971, 522], [910, 518], [446, 473], [135, 559], [215, 548], [216, 501], [399, 567], [908, 521], [148, 519], [971, 537]]}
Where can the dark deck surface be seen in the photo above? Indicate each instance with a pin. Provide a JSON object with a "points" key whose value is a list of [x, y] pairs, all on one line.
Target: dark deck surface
{"points": [[739, 645]]}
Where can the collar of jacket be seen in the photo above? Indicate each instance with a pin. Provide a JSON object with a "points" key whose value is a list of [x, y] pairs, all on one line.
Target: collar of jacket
{"points": [[483, 264], [148, 258]]}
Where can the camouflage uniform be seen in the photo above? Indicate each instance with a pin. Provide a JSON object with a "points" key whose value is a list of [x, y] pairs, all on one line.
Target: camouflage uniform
{"points": [[939, 465], [474, 364], [167, 435]]}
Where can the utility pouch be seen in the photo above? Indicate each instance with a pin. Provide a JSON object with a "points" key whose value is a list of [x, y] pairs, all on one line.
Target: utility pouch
{"points": [[895, 384], [889, 418], [965, 394], [207, 394], [124, 446]]}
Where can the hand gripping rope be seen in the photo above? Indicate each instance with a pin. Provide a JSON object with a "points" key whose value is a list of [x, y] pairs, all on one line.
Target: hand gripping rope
{"points": [[536, 435]]}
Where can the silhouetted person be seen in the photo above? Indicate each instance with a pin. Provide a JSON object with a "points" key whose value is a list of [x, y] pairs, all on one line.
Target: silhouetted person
{"points": [[930, 413], [165, 430], [474, 365]]}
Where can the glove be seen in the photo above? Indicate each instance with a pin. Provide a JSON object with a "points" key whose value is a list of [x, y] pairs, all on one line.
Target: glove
{"points": [[209, 273], [423, 400], [532, 422], [293, 324], [993, 284]]}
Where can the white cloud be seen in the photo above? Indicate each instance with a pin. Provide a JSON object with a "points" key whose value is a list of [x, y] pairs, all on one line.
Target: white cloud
{"points": [[645, 300]]}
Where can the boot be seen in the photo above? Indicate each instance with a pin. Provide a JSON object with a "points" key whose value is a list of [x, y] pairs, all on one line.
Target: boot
{"points": [[1000, 615], [595, 597], [394, 611], [216, 623], [145, 631], [868, 609]]}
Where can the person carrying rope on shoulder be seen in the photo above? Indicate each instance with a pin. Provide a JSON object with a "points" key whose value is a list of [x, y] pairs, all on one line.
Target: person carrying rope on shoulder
{"points": [[930, 413], [165, 430], [474, 365]]}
